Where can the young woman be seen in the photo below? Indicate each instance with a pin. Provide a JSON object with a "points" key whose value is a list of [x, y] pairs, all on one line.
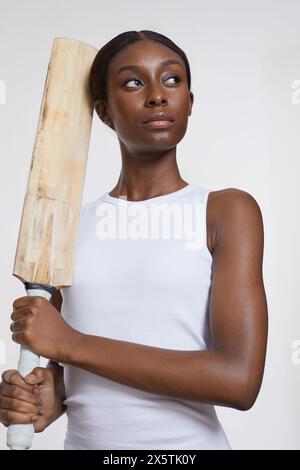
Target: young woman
{"points": [[156, 329]]}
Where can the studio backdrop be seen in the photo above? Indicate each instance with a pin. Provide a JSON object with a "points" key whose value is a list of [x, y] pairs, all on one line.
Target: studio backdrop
{"points": [[243, 133]]}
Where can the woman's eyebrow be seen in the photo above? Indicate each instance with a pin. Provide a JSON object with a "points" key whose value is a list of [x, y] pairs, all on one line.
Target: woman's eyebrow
{"points": [[136, 68]]}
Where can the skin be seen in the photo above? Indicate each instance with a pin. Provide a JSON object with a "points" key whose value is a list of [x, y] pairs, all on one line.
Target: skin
{"points": [[36, 399], [230, 374], [149, 166]]}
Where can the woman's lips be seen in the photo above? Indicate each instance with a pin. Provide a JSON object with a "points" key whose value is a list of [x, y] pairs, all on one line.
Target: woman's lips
{"points": [[159, 124]]}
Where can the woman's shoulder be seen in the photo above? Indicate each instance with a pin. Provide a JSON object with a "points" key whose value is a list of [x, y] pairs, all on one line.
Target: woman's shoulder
{"points": [[229, 208], [229, 196]]}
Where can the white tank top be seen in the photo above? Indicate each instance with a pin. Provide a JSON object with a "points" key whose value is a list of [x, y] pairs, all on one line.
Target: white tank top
{"points": [[142, 273]]}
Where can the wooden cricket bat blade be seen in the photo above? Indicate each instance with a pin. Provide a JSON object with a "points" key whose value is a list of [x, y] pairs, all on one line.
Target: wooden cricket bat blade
{"points": [[52, 202]]}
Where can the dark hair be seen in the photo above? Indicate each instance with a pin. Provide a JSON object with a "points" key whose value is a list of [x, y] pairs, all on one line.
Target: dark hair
{"points": [[98, 73]]}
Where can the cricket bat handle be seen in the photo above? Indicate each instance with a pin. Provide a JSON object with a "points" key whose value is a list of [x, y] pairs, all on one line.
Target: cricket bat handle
{"points": [[20, 436]]}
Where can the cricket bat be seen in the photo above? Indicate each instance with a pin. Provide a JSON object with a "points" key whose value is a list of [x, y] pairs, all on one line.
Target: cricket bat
{"points": [[52, 204]]}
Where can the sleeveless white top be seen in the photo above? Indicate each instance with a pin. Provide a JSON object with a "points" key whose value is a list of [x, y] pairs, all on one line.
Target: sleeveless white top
{"points": [[142, 273]]}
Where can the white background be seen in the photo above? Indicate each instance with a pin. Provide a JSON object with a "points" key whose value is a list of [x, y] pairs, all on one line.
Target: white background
{"points": [[243, 133]]}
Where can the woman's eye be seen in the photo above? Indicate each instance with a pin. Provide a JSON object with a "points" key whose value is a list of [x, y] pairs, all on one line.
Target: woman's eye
{"points": [[137, 80], [174, 76], [131, 80]]}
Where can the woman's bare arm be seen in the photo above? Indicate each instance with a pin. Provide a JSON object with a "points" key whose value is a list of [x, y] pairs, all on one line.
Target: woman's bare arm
{"points": [[57, 300], [238, 304], [53, 366]]}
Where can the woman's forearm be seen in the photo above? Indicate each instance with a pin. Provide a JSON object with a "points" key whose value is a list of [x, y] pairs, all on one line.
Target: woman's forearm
{"points": [[198, 375], [58, 376]]}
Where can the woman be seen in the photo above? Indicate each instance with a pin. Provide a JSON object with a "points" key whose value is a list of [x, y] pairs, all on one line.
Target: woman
{"points": [[155, 330]]}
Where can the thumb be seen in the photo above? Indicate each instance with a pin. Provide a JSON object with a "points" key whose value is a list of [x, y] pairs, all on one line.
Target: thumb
{"points": [[36, 376]]}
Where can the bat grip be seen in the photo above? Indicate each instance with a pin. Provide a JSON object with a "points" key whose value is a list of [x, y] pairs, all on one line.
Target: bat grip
{"points": [[20, 436]]}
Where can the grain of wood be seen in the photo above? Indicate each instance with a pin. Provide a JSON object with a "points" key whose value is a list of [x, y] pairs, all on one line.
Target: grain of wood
{"points": [[52, 203]]}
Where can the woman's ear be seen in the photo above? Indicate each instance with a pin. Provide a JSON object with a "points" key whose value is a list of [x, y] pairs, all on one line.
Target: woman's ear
{"points": [[101, 109], [191, 102]]}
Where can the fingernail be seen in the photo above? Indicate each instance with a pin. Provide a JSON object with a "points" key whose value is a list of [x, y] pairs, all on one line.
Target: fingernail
{"points": [[34, 418], [29, 377]]}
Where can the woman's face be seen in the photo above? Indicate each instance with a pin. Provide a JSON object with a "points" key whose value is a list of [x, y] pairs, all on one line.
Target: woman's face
{"points": [[133, 95]]}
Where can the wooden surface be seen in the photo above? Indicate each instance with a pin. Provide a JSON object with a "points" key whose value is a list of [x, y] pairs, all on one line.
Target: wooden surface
{"points": [[52, 203]]}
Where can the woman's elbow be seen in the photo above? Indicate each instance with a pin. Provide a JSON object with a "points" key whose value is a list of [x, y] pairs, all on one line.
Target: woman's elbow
{"points": [[245, 394], [244, 402]]}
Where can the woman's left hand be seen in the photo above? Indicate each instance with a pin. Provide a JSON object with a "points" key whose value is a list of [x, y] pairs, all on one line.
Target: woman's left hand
{"points": [[38, 325]]}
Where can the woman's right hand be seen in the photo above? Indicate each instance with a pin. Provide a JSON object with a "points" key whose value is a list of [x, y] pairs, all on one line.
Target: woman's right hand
{"points": [[25, 400]]}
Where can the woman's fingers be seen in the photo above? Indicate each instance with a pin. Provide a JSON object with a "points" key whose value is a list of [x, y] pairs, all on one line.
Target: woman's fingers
{"points": [[13, 377], [8, 417], [17, 392], [19, 406], [17, 325]]}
